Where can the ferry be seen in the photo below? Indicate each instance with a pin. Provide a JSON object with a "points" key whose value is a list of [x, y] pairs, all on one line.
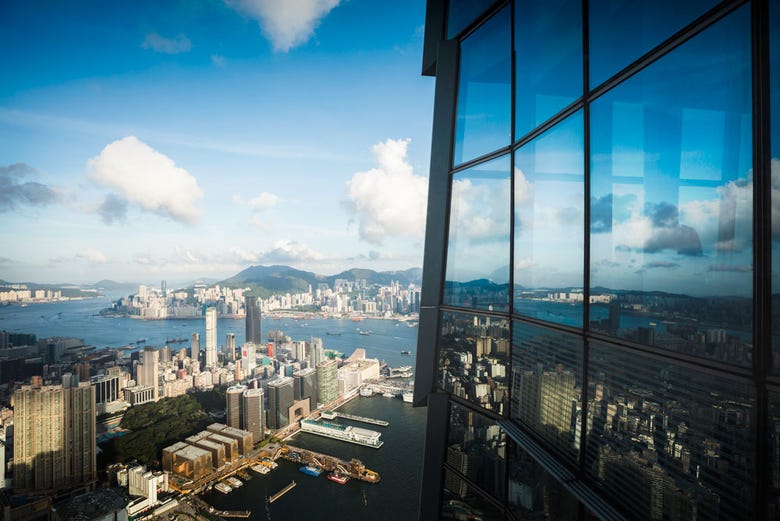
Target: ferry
{"points": [[223, 487], [234, 482], [348, 433], [408, 396], [366, 391], [337, 477], [311, 470], [365, 333], [260, 469]]}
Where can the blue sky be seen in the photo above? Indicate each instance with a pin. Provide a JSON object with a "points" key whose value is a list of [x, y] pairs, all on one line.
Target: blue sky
{"points": [[178, 140]]}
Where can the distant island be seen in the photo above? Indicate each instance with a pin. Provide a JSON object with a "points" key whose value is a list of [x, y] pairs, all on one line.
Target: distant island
{"points": [[26, 293]]}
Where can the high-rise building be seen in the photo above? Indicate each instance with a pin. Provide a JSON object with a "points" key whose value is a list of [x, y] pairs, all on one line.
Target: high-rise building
{"points": [[598, 316], [280, 398], [327, 381], [306, 386], [253, 413], [54, 437], [316, 352], [195, 346], [234, 406], [230, 346], [211, 337], [248, 358], [150, 358], [253, 319]]}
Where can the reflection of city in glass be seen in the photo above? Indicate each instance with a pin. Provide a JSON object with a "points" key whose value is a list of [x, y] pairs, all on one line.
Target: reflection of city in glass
{"points": [[462, 502], [474, 359]]}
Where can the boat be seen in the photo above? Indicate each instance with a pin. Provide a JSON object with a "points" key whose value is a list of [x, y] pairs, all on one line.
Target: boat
{"points": [[234, 482], [261, 469], [333, 333], [337, 477], [405, 352], [223, 487], [366, 391], [311, 470], [408, 396], [355, 319], [365, 333], [388, 395]]}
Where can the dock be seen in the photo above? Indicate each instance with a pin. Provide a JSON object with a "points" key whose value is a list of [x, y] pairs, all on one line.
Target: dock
{"points": [[282, 492], [354, 417], [241, 514], [353, 468]]}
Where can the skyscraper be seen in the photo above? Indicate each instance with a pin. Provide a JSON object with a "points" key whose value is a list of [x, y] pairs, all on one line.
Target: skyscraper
{"points": [[195, 347], [211, 337], [253, 413], [306, 386], [230, 346], [233, 397], [54, 437], [601, 192], [150, 358], [253, 333], [280, 398], [316, 352], [327, 381]]}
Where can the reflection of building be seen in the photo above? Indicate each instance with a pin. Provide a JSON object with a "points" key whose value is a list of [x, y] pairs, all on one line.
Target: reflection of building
{"points": [[631, 363]]}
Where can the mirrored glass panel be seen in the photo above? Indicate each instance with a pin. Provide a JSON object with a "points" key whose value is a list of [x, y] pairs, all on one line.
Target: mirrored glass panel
{"points": [[474, 359], [477, 450], [547, 387], [478, 247], [548, 60], [549, 188], [672, 200], [460, 14], [774, 455], [461, 501], [774, 106], [484, 108], [621, 32], [668, 441], [535, 494]]}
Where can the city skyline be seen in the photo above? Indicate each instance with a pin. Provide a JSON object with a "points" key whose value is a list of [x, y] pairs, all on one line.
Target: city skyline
{"points": [[186, 142]]}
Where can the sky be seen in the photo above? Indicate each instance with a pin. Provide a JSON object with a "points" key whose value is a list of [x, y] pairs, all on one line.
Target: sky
{"points": [[178, 140]]}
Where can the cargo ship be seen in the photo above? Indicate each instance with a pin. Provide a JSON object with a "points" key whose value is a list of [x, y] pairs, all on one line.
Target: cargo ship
{"points": [[348, 433], [311, 470], [337, 477]]}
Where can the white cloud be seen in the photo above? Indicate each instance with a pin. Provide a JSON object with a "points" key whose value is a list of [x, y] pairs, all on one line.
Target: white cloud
{"points": [[147, 178], [244, 255], [287, 23], [290, 251], [158, 43], [264, 201], [92, 255], [389, 200]]}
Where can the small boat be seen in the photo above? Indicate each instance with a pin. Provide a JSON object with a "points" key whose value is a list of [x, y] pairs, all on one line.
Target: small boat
{"points": [[223, 487], [234, 482], [405, 352], [337, 477], [408, 396], [388, 395], [365, 333], [366, 391], [311, 470], [332, 333], [261, 469]]}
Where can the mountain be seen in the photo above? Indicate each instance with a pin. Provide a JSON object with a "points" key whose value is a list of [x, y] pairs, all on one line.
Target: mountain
{"points": [[266, 280], [111, 285]]}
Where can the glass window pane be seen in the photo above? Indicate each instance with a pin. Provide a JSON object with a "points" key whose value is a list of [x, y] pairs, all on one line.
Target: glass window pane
{"points": [[474, 359], [671, 200], [460, 13], [461, 501], [478, 251], [547, 386], [774, 455], [549, 188], [774, 105], [484, 109], [548, 59], [668, 441], [621, 32], [535, 494], [477, 449]]}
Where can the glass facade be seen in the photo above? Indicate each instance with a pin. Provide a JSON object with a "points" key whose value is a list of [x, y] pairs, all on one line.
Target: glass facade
{"points": [[607, 342]]}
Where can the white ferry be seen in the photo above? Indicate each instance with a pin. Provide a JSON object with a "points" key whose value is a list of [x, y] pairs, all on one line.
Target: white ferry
{"points": [[348, 433], [223, 487]]}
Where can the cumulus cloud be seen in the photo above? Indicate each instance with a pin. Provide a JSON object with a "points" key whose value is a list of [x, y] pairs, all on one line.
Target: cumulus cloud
{"points": [[16, 192], [113, 209], [661, 264], [388, 200], [157, 43], [476, 215], [92, 255], [264, 201], [286, 23], [147, 178], [244, 255], [289, 251]]}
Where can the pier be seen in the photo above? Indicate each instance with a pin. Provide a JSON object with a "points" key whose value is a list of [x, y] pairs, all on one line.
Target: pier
{"points": [[354, 468], [241, 514], [329, 415], [282, 492]]}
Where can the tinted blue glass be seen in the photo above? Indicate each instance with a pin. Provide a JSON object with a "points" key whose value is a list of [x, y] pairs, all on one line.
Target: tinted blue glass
{"points": [[474, 359], [548, 59], [462, 501], [478, 247], [774, 106], [621, 32], [460, 13], [535, 494], [671, 200], [476, 449], [549, 217], [667, 441], [774, 455], [547, 386], [484, 90]]}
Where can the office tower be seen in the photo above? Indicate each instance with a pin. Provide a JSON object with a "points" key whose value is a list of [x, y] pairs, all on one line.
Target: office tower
{"points": [[327, 381], [230, 346], [601, 192], [306, 386], [151, 369], [253, 413], [280, 398], [165, 354], [211, 337], [316, 353], [106, 388], [248, 359], [195, 346], [234, 405], [299, 350], [163, 288], [253, 333], [54, 437]]}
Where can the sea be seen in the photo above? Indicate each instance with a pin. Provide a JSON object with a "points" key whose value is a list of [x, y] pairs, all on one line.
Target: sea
{"points": [[398, 461]]}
